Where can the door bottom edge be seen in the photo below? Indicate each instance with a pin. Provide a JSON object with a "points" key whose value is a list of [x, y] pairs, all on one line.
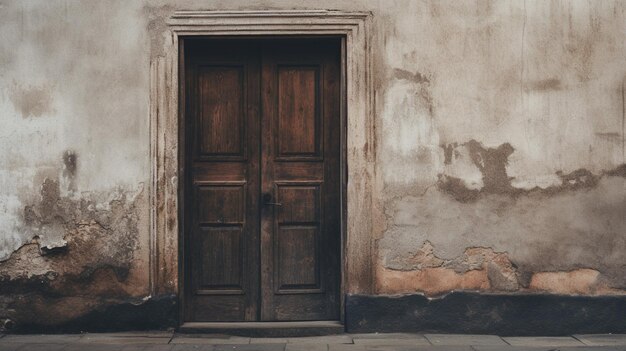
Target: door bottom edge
{"points": [[265, 329]]}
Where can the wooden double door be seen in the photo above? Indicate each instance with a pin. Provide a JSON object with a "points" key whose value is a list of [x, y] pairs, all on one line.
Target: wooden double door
{"points": [[262, 187]]}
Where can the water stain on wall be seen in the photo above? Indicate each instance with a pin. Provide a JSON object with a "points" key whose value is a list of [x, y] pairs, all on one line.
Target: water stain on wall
{"points": [[543, 85], [32, 101], [70, 164], [492, 163]]}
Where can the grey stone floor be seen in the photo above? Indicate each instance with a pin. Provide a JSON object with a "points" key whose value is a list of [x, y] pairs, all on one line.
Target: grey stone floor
{"points": [[169, 341]]}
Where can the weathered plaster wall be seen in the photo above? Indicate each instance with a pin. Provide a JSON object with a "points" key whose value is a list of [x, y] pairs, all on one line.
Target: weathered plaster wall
{"points": [[74, 166], [501, 158], [499, 148]]}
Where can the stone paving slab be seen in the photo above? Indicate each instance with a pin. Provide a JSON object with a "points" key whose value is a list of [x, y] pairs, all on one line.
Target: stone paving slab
{"points": [[249, 347], [386, 336], [445, 348], [458, 339], [167, 347], [540, 341], [124, 340], [348, 347], [547, 348], [307, 347], [101, 347], [591, 348], [602, 339], [390, 339], [9, 347], [268, 340], [392, 342], [187, 347], [42, 338], [139, 334], [42, 347], [329, 339], [220, 340], [514, 348]]}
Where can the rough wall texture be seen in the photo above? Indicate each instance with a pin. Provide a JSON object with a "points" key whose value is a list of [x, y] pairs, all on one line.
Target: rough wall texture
{"points": [[500, 148], [74, 164]]}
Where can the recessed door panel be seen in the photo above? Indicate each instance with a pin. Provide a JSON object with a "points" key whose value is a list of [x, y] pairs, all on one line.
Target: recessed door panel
{"points": [[300, 203], [297, 262], [221, 129], [221, 262], [298, 111], [221, 204]]}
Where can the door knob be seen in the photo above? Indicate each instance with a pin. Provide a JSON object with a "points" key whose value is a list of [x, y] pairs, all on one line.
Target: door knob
{"points": [[267, 200]]}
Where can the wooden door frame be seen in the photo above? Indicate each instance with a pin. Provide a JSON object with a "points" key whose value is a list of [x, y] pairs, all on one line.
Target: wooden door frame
{"points": [[357, 134]]}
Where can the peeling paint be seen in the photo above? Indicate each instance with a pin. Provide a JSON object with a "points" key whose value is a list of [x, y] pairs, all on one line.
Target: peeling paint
{"points": [[478, 268], [577, 282], [579, 225], [83, 253], [481, 269]]}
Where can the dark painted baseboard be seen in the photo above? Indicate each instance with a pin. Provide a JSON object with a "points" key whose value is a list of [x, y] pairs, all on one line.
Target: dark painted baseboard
{"points": [[153, 314], [459, 312], [464, 312]]}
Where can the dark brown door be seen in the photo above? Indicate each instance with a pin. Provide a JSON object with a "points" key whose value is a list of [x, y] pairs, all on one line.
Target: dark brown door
{"points": [[262, 188]]}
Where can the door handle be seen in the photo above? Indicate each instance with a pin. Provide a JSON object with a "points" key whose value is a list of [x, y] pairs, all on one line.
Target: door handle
{"points": [[267, 200]]}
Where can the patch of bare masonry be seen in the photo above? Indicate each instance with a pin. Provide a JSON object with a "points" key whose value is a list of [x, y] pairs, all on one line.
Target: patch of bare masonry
{"points": [[82, 252], [481, 268]]}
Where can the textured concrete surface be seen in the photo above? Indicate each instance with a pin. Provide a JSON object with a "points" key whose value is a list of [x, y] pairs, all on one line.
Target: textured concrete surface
{"points": [[168, 341]]}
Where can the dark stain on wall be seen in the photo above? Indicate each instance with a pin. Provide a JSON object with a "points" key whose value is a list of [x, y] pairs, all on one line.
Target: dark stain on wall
{"points": [[543, 85], [492, 164], [454, 187], [32, 101], [157, 313], [612, 137], [618, 171], [53, 286], [447, 152], [157, 16], [416, 77], [70, 160]]}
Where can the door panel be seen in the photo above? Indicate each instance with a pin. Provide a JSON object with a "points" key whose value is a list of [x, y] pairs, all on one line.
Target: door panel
{"points": [[222, 182], [300, 228], [220, 258], [298, 111], [262, 182], [221, 99]]}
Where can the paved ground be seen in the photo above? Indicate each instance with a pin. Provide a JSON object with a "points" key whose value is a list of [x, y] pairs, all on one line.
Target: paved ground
{"points": [[168, 341]]}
